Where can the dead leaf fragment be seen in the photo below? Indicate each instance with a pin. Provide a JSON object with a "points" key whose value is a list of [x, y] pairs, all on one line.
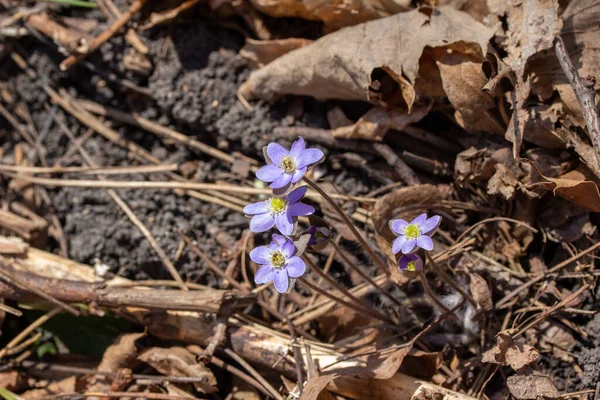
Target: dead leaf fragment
{"points": [[508, 352], [178, 361], [377, 121], [120, 353], [259, 53], [532, 387], [481, 291], [377, 61]]}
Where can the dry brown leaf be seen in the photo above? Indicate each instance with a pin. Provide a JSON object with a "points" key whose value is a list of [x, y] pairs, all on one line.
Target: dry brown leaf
{"points": [[508, 352], [421, 364], [378, 121], [475, 165], [463, 80], [532, 27], [67, 385], [377, 61], [259, 53], [12, 380], [480, 291], [378, 366], [334, 14], [178, 361], [573, 186], [532, 387], [120, 353], [477, 9], [405, 203]]}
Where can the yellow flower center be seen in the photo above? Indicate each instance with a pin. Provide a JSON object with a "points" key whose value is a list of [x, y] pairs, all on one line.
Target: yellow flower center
{"points": [[412, 231], [277, 205], [277, 259], [411, 266], [288, 165]]}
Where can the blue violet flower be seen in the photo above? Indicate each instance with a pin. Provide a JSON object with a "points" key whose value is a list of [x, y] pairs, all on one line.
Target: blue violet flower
{"points": [[278, 263], [280, 211], [410, 262], [414, 235], [287, 167]]}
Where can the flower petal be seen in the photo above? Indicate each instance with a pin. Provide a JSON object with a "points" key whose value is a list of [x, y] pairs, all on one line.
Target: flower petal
{"points": [[297, 147], [261, 255], [256, 208], [261, 223], [276, 152], [264, 274], [409, 246], [296, 194], [285, 224], [300, 210], [430, 226], [419, 264], [397, 226], [288, 248], [419, 220], [279, 240], [298, 174], [269, 173], [425, 242], [280, 182], [295, 267], [398, 243], [281, 280], [308, 156]]}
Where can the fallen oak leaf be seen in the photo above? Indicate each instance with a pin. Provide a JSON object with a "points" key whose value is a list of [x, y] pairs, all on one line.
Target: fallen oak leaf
{"points": [[532, 387], [377, 61], [259, 53]]}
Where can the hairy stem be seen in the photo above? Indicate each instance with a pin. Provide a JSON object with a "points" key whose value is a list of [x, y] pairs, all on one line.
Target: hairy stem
{"points": [[450, 281]]}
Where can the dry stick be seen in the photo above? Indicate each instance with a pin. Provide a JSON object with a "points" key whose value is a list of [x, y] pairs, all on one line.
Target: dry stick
{"points": [[10, 310], [366, 277], [297, 355], [345, 218], [539, 278], [366, 310], [406, 173], [33, 326], [450, 281], [104, 36], [585, 93], [126, 209], [26, 286], [240, 374], [181, 185], [142, 169], [255, 374], [111, 12], [20, 347]]}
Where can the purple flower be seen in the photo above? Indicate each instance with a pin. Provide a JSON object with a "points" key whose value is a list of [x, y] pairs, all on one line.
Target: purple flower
{"points": [[318, 234], [416, 234], [410, 262], [277, 263], [287, 167], [279, 211]]}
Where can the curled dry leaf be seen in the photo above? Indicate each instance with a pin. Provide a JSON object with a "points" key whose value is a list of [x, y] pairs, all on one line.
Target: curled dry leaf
{"points": [[120, 353], [377, 121], [508, 352], [259, 53], [531, 387], [377, 61], [480, 291], [67, 385], [573, 186], [334, 14], [178, 361]]}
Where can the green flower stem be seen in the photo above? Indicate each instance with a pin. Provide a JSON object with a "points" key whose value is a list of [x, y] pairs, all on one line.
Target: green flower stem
{"points": [[350, 225], [450, 281]]}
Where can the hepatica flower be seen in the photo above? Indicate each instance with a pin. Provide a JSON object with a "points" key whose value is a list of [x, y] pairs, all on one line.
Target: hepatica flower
{"points": [[287, 167], [277, 263], [318, 234], [280, 211], [410, 262], [414, 235]]}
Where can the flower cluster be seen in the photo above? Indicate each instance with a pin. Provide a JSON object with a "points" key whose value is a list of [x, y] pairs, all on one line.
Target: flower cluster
{"points": [[412, 236], [279, 261]]}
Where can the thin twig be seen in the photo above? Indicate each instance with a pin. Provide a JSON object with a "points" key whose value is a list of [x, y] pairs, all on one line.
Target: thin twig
{"points": [[349, 223], [585, 93], [240, 374], [450, 281], [255, 374], [32, 327]]}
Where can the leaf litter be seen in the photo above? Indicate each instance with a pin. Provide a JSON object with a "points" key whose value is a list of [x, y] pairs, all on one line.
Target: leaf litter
{"points": [[453, 108]]}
